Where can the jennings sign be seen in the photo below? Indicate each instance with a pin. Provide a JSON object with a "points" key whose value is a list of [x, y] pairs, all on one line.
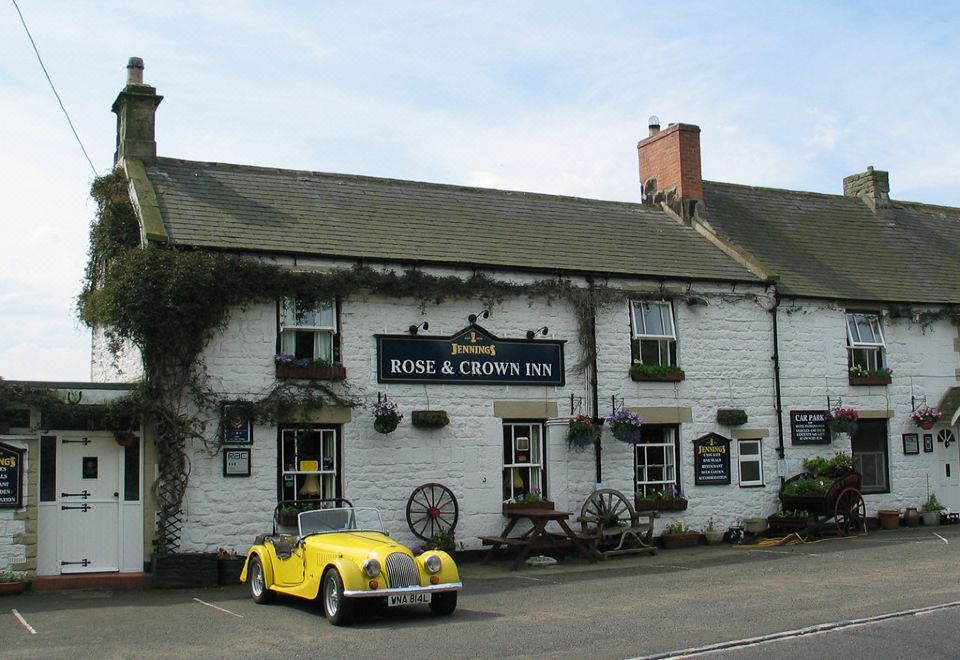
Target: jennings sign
{"points": [[471, 356]]}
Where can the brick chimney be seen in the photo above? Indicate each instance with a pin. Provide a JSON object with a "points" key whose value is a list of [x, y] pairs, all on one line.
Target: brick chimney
{"points": [[872, 186], [136, 108], [670, 167]]}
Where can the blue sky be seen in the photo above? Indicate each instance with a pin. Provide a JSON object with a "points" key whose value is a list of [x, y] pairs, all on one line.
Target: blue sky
{"points": [[540, 96]]}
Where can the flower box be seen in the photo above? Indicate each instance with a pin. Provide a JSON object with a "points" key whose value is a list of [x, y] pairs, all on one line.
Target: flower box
{"points": [[430, 419], [188, 569], [671, 377], [539, 504], [791, 523], [333, 372], [731, 416], [683, 540], [228, 569], [660, 504], [870, 380]]}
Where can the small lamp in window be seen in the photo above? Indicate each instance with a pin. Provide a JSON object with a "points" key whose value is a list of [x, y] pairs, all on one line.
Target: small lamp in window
{"points": [[311, 484]]}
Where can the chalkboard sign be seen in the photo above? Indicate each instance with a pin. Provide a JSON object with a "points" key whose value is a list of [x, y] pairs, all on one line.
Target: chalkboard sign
{"points": [[809, 427], [711, 460], [11, 476]]}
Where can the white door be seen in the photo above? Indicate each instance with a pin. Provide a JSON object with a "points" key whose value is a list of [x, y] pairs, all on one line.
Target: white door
{"points": [[947, 483], [89, 503]]}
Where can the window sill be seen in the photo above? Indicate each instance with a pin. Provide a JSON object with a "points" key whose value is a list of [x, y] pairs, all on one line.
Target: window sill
{"points": [[864, 380], [335, 372], [674, 377]]}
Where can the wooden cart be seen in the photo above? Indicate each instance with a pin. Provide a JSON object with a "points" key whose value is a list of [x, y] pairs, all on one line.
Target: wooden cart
{"points": [[840, 509]]}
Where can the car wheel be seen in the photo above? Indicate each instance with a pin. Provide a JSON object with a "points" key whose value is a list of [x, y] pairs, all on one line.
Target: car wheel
{"points": [[444, 603], [258, 583], [337, 609]]}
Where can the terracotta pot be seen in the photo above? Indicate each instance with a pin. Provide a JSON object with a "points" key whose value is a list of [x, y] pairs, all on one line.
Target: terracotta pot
{"points": [[542, 504], [685, 540], [673, 377], [912, 516], [12, 588], [889, 518], [926, 425], [333, 372]]}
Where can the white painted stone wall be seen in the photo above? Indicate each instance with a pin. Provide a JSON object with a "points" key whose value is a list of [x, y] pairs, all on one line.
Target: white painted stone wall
{"points": [[105, 367]]}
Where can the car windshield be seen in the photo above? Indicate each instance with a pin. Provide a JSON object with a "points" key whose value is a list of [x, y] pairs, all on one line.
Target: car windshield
{"points": [[346, 519]]}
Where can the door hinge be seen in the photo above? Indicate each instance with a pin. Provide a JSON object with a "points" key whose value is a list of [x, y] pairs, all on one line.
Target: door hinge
{"points": [[84, 563], [84, 494], [85, 441], [83, 507]]}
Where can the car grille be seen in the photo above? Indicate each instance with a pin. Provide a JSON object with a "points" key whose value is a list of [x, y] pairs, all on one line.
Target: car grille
{"points": [[401, 570]]}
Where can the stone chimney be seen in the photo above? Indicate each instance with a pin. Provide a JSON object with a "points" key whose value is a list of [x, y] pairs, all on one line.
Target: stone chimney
{"points": [[670, 167], [136, 108], [872, 186]]}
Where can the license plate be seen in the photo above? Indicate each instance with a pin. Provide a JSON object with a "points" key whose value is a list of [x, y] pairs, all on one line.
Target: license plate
{"points": [[409, 599]]}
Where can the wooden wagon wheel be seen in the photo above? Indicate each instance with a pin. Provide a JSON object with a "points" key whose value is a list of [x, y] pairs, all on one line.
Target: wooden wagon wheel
{"points": [[432, 509], [850, 512], [606, 508]]}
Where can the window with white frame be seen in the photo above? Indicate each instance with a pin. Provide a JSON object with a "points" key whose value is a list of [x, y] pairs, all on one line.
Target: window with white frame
{"points": [[309, 466], [523, 466], [864, 341], [654, 336], [656, 461], [750, 460], [308, 333]]}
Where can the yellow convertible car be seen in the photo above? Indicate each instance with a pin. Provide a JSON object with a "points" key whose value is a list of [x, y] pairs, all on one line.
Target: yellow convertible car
{"points": [[341, 555]]}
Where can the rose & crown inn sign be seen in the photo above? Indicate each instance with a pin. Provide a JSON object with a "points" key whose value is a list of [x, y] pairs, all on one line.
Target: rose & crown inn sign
{"points": [[471, 356]]}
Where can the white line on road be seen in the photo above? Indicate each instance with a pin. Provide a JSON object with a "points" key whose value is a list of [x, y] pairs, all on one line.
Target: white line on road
{"points": [[789, 552], [24, 622], [818, 629], [941, 538], [202, 602]]}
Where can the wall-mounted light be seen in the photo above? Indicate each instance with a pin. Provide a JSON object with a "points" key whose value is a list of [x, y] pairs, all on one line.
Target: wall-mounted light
{"points": [[414, 329], [697, 301], [539, 331], [485, 314]]}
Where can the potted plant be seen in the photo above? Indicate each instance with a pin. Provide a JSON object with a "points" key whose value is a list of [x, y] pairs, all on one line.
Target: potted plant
{"points": [[756, 525], [678, 535], [713, 535], [888, 518], [661, 500], [858, 375], [229, 566], [842, 420], [655, 372], [931, 510], [13, 582], [925, 416], [430, 419], [582, 432], [533, 499], [625, 426], [288, 366], [386, 416], [791, 520]]}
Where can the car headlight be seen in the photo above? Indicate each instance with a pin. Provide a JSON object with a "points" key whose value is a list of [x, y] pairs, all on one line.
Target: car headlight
{"points": [[432, 563], [371, 567]]}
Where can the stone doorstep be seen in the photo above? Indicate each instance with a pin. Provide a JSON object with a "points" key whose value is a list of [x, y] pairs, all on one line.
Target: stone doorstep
{"points": [[92, 581]]}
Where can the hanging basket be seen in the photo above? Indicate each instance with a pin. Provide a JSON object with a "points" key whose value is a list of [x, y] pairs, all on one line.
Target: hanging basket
{"points": [[430, 419], [386, 423], [627, 433]]}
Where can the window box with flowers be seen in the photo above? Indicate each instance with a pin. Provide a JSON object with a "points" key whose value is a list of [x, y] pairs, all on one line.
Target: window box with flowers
{"points": [[288, 366], [655, 372], [386, 416], [661, 500], [842, 420], [626, 426], [925, 416], [532, 500], [583, 432], [861, 376]]}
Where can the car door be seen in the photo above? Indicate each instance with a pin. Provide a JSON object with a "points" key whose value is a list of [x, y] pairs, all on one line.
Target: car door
{"points": [[289, 562]]}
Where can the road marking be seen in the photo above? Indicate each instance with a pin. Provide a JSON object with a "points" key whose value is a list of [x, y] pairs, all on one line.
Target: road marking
{"points": [[202, 602], [941, 538], [23, 622], [817, 629], [789, 552], [676, 568]]}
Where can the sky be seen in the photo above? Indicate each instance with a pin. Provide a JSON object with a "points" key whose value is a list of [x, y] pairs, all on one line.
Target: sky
{"points": [[542, 96]]}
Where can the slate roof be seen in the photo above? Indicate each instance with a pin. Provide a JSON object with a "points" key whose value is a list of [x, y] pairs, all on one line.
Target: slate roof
{"points": [[834, 246], [243, 208]]}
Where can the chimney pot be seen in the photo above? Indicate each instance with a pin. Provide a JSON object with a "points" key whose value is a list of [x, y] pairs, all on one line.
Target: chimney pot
{"points": [[670, 167], [135, 71], [653, 124], [136, 109]]}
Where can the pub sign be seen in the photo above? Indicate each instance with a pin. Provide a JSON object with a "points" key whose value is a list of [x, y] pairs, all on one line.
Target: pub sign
{"points": [[711, 460], [471, 356], [11, 476], [809, 427]]}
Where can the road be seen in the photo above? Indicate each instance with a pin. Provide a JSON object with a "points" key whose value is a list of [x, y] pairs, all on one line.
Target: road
{"points": [[867, 595]]}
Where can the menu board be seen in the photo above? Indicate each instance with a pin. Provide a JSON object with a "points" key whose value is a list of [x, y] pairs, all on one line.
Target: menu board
{"points": [[711, 460], [809, 427], [11, 477]]}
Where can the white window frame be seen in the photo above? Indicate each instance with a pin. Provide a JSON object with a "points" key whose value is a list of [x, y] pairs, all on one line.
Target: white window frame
{"points": [[644, 485], [880, 459], [515, 468], [327, 463], [743, 459], [668, 332], [870, 348], [320, 320]]}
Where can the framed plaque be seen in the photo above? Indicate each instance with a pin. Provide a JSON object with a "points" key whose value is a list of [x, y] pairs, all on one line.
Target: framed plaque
{"points": [[236, 462], [911, 443]]}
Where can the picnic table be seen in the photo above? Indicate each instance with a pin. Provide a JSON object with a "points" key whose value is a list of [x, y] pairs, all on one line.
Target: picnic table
{"points": [[537, 537]]}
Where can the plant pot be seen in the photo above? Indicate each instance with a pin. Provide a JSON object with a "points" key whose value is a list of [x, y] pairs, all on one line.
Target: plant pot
{"points": [[889, 518], [430, 419], [385, 424], [869, 380], [714, 537], [13, 588], [657, 504], [672, 377], [580, 442], [541, 504], [333, 372], [755, 525], [125, 439], [931, 518], [731, 416], [791, 523], [684, 540], [926, 425], [229, 568], [912, 516]]}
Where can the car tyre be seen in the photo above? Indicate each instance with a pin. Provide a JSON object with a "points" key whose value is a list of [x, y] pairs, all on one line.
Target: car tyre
{"points": [[337, 609], [443, 603], [257, 581]]}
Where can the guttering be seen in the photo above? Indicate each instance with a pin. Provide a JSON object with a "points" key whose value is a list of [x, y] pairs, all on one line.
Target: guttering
{"points": [[776, 375], [594, 391]]}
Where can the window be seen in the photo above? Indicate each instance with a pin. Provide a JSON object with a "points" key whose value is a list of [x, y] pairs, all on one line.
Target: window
{"points": [[656, 461], [308, 332], [870, 457], [750, 459], [654, 337], [865, 341], [523, 459], [309, 463]]}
